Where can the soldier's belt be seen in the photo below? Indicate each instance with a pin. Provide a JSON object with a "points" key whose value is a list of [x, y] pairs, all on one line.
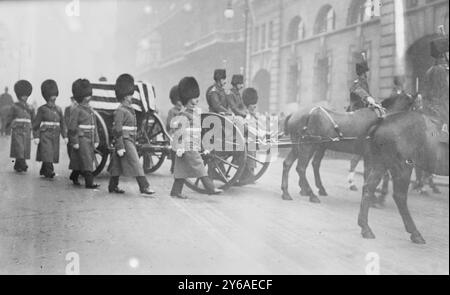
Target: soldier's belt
{"points": [[54, 124], [129, 128], [87, 127], [22, 121]]}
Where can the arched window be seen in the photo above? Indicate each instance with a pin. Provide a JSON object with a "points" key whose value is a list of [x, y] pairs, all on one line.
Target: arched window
{"points": [[296, 29], [359, 11], [325, 21]]}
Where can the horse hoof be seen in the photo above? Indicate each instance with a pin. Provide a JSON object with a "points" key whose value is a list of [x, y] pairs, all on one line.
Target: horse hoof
{"points": [[323, 193], [304, 194], [314, 199], [436, 191], [353, 188], [368, 234], [417, 238], [287, 197]]}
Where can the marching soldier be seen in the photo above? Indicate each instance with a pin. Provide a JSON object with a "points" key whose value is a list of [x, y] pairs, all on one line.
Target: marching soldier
{"points": [[250, 101], [6, 104], [173, 112], [234, 100], [83, 136], [216, 96], [125, 158], [47, 127], [67, 111], [20, 118], [189, 163]]}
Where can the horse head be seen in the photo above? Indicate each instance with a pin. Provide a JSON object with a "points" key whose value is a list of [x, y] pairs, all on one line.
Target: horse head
{"points": [[402, 101]]}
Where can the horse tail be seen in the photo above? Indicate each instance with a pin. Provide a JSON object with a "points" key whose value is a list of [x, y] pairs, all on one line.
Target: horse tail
{"points": [[286, 124]]}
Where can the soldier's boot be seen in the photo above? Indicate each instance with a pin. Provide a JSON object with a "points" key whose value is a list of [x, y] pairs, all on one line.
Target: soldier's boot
{"points": [[113, 186], [210, 187], [74, 177], [17, 167], [47, 170], [20, 165], [144, 186], [177, 189], [89, 180]]}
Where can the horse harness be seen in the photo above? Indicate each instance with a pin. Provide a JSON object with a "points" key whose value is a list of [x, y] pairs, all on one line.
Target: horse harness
{"points": [[317, 139]]}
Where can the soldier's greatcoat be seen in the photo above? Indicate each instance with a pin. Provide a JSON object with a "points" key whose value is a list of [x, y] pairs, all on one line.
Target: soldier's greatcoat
{"points": [[359, 92], [82, 130], [190, 164], [48, 125], [124, 132], [217, 99], [236, 104], [20, 120]]}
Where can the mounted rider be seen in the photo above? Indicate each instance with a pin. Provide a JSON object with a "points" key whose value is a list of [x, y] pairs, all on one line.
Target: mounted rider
{"points": [[436, 97], [360, 96]]}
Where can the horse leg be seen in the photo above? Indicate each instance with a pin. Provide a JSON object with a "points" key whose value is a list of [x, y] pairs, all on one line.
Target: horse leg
{"points": [[351, 176], [433, 185], [373, 179], [303, 160], [318, 156], [384, 189], [287, 165], [401, 178]]}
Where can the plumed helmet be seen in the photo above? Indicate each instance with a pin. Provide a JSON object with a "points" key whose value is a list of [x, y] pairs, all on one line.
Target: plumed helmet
{"points": [[250, 96], [23, 88], [174, 95], [237, 79], [124, 86], [220, 74], [81, 88], [188, 89], [49, 88]]}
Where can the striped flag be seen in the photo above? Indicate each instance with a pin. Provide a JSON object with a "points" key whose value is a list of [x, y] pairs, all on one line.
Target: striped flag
{"points": [[104, 97]]}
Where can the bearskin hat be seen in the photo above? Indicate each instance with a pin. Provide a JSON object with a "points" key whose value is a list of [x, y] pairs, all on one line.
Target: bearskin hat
{"points": [[49, 88], [23, 88], [237, 79], [174, 95], [81, 88], [188, 89], [124, 86], [220, 74], [250, 96], [362, 68], [439, 47]]}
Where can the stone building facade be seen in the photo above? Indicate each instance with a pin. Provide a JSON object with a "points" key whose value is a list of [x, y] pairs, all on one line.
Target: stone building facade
{"points": [[304, 52]]}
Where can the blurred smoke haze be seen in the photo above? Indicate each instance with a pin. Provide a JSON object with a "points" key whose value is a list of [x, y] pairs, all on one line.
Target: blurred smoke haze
{"points": [[40, 40]]}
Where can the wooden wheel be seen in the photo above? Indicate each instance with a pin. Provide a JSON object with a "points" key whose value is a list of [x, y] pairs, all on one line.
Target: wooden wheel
{"points": [[224, 167], [102, 151], [156, 135], [261, 162]]}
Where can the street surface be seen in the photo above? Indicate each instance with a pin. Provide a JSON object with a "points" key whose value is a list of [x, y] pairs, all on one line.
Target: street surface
{"points": [[248, 230]]}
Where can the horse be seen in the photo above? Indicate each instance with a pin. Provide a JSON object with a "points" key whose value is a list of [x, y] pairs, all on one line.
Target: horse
{"points": [[406, 140], [315, 131]]}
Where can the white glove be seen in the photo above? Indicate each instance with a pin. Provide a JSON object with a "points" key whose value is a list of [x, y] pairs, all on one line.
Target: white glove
{"points": [[206, 152], [66, 140], [180, 152], [36, 141], [121, 153], [370, 100], [76, 146], [96, 144]]}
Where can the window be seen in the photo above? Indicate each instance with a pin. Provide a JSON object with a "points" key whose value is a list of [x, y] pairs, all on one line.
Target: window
{"points": [[294, 82], [256, 40], [263, 37], [359, 11], [411, 3], [296, 30], [322, 78], [325, 20], [271, 34]]}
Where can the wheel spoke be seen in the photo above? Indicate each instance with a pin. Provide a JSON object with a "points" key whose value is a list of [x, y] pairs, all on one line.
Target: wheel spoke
{"points": [[226, 162], [224, 178], [256, 160]]}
